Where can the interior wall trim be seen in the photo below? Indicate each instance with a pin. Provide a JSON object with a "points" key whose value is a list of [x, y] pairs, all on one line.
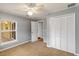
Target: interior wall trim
{"points": [[76, 54], [67, 51], [14, 46]]}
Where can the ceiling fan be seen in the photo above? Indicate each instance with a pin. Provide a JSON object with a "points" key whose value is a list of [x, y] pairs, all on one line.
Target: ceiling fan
{"points": [[31, 8]]}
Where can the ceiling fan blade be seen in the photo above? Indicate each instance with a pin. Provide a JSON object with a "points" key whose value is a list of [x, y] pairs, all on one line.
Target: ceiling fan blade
{"points": [[39, 8], [22, 8]]}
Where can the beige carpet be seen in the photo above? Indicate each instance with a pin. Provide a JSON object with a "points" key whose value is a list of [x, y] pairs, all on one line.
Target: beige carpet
{"points": [[34, 49]]}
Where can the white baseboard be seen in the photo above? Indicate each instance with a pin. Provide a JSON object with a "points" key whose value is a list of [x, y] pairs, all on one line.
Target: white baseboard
{"points": [[33, 40], [76, 54], [49, 46], [73, 53], [14, 45], [8, 42]]}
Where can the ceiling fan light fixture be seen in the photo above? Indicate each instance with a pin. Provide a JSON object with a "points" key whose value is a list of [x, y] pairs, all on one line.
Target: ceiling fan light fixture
{"points": [[30, 13]]}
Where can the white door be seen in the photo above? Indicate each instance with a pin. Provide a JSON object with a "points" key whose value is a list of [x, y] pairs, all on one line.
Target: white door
{"points": [[40, 29], [51, 32], [54, 32], [57, 32], [34, 31], [63, 31], [71, 32]]}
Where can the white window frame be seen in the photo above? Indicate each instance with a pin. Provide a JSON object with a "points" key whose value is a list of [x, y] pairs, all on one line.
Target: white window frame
{"points": [[8, 31]]}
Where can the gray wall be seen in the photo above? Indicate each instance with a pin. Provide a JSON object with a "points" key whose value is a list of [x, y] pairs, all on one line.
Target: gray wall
{"points": [[23, 29], [70, 10], [77, 29]]}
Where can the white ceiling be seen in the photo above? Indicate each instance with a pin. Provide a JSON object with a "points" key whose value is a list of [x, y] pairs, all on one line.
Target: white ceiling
{"points": [[17, 9]]}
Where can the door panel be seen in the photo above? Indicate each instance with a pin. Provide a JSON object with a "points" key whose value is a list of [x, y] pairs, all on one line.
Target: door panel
{"points": [[63, 33], [57, 32], [51, 30], [34, 30], [71, 33]]}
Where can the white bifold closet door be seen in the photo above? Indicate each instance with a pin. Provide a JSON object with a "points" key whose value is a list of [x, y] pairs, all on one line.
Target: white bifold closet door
{"points": [[61, 32], [68, 32], [51, 32], [71, 33], [57, 32]]}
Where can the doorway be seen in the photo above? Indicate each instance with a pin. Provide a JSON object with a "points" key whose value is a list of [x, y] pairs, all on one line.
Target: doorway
{"points": [[40, 31], [36, 30]]}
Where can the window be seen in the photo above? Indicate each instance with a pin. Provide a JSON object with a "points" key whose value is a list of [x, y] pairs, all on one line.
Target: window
{"points": [[7, 31]]}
